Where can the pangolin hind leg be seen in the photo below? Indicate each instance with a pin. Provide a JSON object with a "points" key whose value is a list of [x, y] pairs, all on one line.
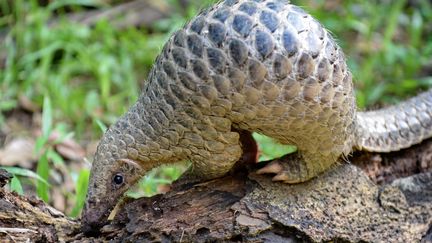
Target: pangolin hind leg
{"points": [[295, 168]]}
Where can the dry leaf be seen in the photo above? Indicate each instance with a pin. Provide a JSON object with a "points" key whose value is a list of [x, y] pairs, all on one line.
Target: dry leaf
{"points": [[27, 104], [18, 152]]}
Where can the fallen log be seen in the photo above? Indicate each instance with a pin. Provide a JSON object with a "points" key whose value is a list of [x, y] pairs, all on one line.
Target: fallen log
{"points": [[379, 197]]}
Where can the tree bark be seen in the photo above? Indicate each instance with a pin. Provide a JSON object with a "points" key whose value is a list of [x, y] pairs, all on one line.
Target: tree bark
{"points": [[378, 197]]}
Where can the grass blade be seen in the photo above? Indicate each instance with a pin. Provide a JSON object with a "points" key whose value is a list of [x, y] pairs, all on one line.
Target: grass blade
{"points": [[85, 3], [46, 117], [43, 172], [16, 186], [25, 172], [81, 192]]}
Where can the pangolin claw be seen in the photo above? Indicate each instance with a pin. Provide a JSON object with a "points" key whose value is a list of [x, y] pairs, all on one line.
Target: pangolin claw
{"points": [[273, 167]]}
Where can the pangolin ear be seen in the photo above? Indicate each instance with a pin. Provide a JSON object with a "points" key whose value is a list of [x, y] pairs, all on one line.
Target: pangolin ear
{"points": [[130, 167]]}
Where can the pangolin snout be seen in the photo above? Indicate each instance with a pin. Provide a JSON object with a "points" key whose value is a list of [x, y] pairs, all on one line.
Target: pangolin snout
{"points": [[93, 217]]}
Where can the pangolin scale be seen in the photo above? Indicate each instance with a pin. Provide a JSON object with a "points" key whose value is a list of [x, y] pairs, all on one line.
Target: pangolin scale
{"points": [[260, 66]]}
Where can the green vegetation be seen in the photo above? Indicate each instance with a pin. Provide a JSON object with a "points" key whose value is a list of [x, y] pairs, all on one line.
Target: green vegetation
{"points": [[83, 77]]}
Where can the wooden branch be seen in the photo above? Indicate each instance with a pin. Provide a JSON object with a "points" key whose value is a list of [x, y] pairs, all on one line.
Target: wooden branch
{"points": [[25, 219], [343, 204], [138, 13]]}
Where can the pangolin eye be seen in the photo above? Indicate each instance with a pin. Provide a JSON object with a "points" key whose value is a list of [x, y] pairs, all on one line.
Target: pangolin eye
{"points": [[118, 179]]}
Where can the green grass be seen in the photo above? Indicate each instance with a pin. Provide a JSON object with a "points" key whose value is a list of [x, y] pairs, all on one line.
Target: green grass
{"points": [[84, 77], [90, 73]]}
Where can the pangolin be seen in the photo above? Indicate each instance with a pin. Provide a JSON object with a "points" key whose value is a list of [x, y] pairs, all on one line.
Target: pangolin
{"points": [[261, 66]]}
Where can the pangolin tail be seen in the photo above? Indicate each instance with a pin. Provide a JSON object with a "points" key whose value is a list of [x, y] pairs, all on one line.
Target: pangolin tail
{"points": [[395, 127]]}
